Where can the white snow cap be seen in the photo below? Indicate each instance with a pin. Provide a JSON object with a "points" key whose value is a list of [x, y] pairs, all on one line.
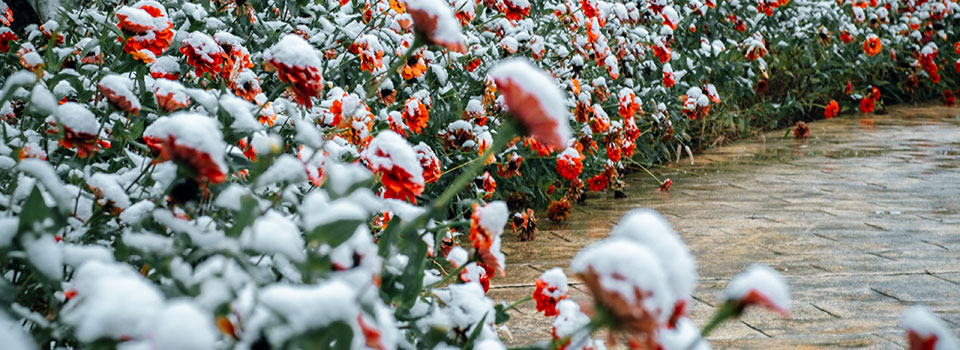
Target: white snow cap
{"points": [[683, 337], [292, 50], [520, 81], [919, 321], [273, 233], [763, 282], [192, 130], [555, 277], [492, 218], [77, 117]]}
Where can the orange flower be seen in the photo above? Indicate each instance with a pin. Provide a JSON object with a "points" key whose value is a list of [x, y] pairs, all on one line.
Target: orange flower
{"points": [[414, 67], [391, 157], [236, 58], [489, 184], [514, 10], [6, 15], [872, 45], [614, 152], [165, 67], [415, 115], [190, 139], [146, 39], [665, 186], [831, 110], [534, 99], [599, 182], [628, 104], [512, 168], [170, 96], [370, 52], [6, 36], [296, 63], [487, 223], [801, 130], [473, 64], [80, 128], [434, 20], [30, 59], [429, 162], [203, 53], [569, 164], [371, 335], [118, 91], [559, 211]]}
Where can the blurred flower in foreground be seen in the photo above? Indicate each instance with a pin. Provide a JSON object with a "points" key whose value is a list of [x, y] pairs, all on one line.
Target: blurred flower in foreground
{"points": [[758, 285], [925, 331], [435, 20], [486, 227], [534, 98]]}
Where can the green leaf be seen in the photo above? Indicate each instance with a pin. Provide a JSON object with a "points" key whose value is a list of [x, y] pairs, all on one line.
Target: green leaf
{"points": [[334, 233], [501, 313], [35, 211], [249, 211]]}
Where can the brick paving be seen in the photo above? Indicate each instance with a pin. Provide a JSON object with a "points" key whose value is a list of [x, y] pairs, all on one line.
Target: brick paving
{"points": [[862, 218]]}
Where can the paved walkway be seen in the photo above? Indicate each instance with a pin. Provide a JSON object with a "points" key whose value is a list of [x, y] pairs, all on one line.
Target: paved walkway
{"points": [[863, 219]]}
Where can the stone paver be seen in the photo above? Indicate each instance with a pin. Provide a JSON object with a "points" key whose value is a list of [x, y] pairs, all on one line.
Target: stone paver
{"points": [[863, 219]]}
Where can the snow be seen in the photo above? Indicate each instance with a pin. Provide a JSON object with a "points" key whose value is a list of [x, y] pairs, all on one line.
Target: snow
{"points": [[625, 267], [571, 322], [14, 336], [683, 337], [323, 211], [762, 279], [457, 256], [8, 229], [77, 117], [148, 242], [286, 168], [44, 254], [121, 86], [274, 234], [135, 213], [555, 277], [76, 255], [298, 304], [493, 217], [193, 130], [43, 172], [532, 81], [109, 185], [113, 301], [181, 324], [203, 45], [240, 110], [292, 50], [466, 305], [918, 319], [42, 100]]}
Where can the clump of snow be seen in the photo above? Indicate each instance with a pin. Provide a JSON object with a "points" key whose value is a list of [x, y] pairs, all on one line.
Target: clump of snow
{"points": [[193, 130], [492, 218], [77, 117], [458, 256], [388, 150], [683, 337], [181, 324], [292, 50], [556, 278], [298, 305], [273, 233], [286, 168]]}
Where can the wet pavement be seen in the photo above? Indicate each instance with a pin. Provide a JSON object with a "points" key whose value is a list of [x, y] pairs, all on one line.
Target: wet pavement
{"points": [[862, 218]]}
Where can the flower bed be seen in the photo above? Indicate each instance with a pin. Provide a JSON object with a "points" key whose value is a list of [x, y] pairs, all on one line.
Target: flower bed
{"points": [[300, 174]]}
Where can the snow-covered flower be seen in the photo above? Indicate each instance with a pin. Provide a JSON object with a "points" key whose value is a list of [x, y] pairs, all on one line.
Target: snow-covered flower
{"points": [[758, 285], [119, 91], [434, 20], [148, 28], [390, 156], [192, 139], [534, 98], [551, 289], [925, 331], [298, 64], [203, 53]]}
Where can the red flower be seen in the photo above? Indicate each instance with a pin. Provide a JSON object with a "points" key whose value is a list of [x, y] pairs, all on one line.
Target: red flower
{"points": [[866, 105], [79, 129], [831, 110], [486, 224], [948, 99], [6, 36], [599, 182], [390, 156], [551, 288], [415, 115], [514, 11], [668, 78], [875, 93], [169, 96], [569, 164], [849, 89], [665, 186], [475, 272], [203, 53], [296, 63], [473, 64], [371, 335]]}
